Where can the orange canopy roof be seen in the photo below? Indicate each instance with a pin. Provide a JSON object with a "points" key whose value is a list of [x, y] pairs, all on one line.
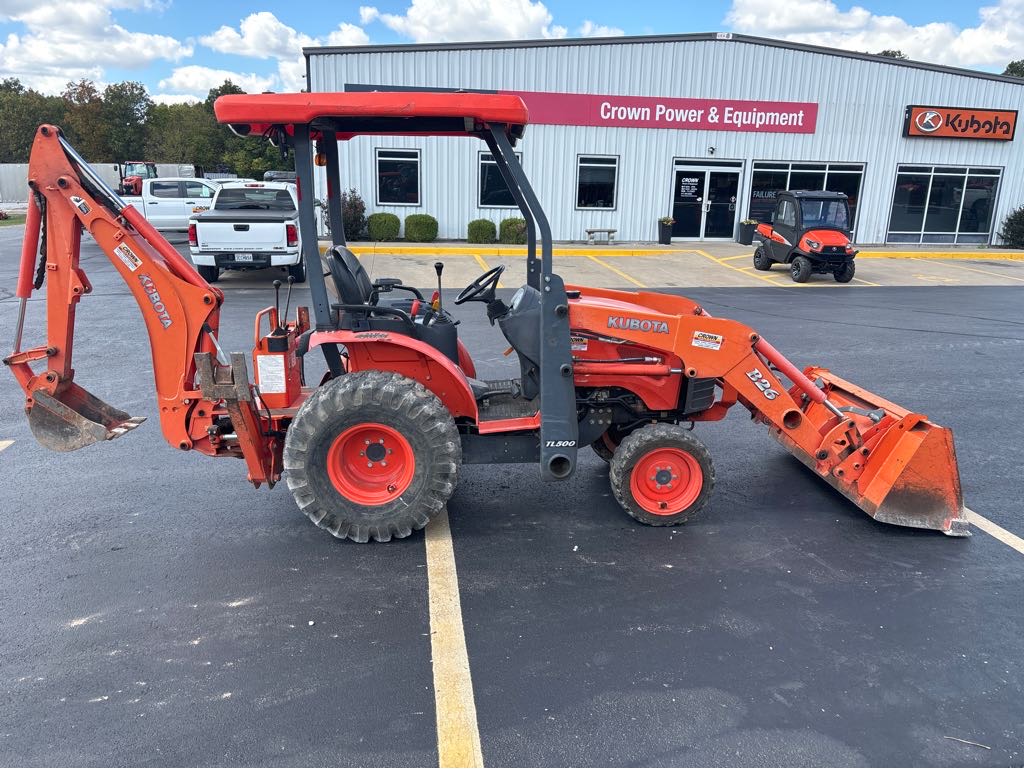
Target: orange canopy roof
{"points": [[373, 112]]}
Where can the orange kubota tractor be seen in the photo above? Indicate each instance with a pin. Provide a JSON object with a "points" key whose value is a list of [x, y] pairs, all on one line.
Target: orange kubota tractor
{"points": [[373, 451]]}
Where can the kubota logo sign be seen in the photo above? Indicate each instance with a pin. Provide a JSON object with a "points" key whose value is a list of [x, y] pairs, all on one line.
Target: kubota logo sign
{"points": [[154, 296], [636, 324], [960, 123]]}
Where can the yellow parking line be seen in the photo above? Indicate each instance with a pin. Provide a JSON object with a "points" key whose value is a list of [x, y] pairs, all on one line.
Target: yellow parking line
{"points": [[986, 272], [458, 735], [995, 530], [741, 270], [616, 270], [971, 255], [867, 282], [731, 258], [5, 444]]}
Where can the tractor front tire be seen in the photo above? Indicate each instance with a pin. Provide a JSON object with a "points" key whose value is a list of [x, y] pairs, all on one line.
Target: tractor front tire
{"points": [[372, 455], [209, 272], [662, 475], [845, 273], [800, 269], [762, 261], [606, 445]]}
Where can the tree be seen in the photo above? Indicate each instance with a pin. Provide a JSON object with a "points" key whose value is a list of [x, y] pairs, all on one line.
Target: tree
{"points": [[126, 108], [23, 111], [1015, 68], [83, 121], [893, 53]]}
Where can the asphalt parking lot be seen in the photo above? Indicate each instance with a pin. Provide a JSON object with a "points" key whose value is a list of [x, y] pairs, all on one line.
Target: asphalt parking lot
{"points": [[159, 610]]}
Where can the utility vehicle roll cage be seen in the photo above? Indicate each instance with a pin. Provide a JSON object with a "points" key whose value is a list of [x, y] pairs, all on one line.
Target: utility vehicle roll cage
{"points": [[323, 119]]}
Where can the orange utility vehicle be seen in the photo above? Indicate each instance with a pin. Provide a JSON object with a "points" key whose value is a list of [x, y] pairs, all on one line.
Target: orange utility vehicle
{"points": [[809, 231], [373, 450]]}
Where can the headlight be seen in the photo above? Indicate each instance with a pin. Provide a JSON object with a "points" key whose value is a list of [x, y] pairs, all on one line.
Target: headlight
{"points": [[813, 245]]}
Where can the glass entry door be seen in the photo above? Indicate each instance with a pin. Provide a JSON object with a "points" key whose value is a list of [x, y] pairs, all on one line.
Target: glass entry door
{"points": [[704, 203], [688, 204]]}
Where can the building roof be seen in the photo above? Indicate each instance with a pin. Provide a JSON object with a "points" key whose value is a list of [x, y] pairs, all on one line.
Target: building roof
{"points": [[720, 37]]}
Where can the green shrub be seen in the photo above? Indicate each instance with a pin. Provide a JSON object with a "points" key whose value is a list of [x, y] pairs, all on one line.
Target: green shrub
{"points": [[420, 228], [513, 230], [353, 215], [482, 231], [1013, 228], [383, 226]]}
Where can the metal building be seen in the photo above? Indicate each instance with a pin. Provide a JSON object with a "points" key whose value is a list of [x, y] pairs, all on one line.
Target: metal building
{"points": [[704, 128]]}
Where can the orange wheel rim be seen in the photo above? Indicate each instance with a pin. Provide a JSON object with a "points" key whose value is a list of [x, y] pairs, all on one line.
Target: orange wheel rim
{"points": [[371, 464], [666, 481]]}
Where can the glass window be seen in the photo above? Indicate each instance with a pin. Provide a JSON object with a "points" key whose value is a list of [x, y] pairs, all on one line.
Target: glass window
{"points": [[398, 177], [198, 190], [165, 190], [770, 177], [943, 204], [595, 181], [824, 213], [765, 186], [254, 199], [494, 193], [786, 215]]}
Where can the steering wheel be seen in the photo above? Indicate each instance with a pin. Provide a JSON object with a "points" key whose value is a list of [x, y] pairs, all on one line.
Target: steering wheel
{"points": [[481, 289]]}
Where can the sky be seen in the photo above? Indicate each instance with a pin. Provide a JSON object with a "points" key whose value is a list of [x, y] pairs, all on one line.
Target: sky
{"points": [[179, 49]]}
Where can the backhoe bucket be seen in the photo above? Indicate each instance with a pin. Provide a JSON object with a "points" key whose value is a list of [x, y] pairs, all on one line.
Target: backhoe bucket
{"points": [[893, 464], [74, 418]]}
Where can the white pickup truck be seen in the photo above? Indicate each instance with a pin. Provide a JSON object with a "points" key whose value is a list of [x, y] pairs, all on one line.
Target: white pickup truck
{"points": [[250, 226], [168, 203]]}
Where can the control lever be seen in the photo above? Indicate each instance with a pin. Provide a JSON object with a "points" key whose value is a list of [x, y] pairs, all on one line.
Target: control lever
{"points": [[288, 299], [438, 268], [277, 305]]}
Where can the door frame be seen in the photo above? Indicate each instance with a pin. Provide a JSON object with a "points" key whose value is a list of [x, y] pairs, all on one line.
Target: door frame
{"points": [[705, 167]]}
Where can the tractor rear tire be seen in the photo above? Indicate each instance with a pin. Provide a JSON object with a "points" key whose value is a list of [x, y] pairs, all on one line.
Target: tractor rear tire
{"points": [[845, 273], [209, 272], [297, 272], [372, 455], [762, 261], [662, 475], [800, 269]]}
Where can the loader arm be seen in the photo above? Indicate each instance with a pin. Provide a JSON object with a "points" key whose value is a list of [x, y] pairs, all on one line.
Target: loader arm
{"points": [[181, 312]]}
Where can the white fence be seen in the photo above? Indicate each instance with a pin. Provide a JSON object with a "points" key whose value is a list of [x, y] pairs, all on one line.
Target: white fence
{"points": [[14, 179]]}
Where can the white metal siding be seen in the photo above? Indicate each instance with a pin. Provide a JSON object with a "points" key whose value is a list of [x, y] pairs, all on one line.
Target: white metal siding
{"points": [[860, 119]]}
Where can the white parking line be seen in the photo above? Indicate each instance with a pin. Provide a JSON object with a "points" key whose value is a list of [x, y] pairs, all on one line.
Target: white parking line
{"points": [[5, 444], [458, 736], [995, 530]]}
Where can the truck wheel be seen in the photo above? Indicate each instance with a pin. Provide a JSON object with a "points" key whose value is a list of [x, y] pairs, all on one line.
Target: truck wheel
{"points": [[662, 475], [762, 261], [372, 455], [209, 273], [297, 272], [845, 273], [800, 269]]}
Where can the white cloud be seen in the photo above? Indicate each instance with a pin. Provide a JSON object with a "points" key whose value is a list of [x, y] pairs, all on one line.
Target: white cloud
{"points": [[196, 79], [71, 40], [348, 34], [997, 39], [454, 20], [261, 35], [590, 29], [176, 98]]}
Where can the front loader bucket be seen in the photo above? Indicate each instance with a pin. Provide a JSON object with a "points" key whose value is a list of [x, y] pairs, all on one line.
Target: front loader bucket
{"points": [[74, 418], [893, 464]]}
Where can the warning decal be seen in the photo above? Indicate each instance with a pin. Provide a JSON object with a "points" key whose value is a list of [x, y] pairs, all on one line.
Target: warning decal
{"points": [[579, 343], [707, 341]]}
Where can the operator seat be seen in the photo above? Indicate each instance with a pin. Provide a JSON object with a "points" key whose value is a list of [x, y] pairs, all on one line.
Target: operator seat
{"points": [[351, 283]]}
